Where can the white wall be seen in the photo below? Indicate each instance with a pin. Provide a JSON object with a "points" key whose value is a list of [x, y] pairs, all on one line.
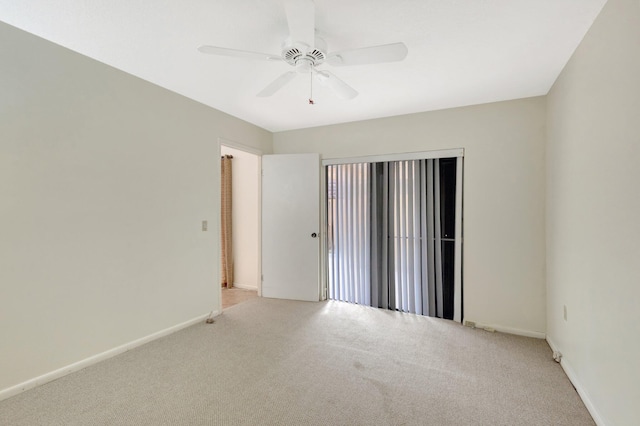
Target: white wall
{"points": [[504, 260], [245, 217], [104, 182], [593, 215]]}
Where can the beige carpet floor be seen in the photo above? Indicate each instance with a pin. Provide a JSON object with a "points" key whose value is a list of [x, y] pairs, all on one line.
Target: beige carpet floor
{"points": [[274, 362]]}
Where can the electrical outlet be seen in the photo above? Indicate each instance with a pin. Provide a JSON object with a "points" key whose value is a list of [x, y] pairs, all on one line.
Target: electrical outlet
{"points": [[564, 312], [204, 225], [471, 324]]}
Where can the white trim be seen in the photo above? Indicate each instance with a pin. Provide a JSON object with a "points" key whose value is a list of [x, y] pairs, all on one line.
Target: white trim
{"points": [[77, 366], [510, 330], [259, 219], [240, 146], [443, 153], [245, 287], [322, 235], [573, 378], [217, 214]]}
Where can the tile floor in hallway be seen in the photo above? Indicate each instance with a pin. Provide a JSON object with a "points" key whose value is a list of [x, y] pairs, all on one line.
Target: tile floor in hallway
{"points": [[233, 296]]}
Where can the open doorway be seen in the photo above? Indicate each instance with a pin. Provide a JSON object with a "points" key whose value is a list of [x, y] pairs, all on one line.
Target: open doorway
{"points": [[245, 228]]}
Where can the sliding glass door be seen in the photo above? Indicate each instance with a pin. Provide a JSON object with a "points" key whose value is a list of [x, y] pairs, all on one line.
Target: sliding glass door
{"points": [[393, 237]]}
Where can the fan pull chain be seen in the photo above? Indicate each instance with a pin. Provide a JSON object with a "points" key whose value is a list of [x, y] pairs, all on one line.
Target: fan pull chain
{"points": [[311, 90]]}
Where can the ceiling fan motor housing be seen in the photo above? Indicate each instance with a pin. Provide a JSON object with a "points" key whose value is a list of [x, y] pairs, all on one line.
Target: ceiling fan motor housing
{"points": [[304, 57]]}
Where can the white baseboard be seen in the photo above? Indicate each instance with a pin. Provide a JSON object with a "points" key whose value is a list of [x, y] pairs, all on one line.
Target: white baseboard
{"points": [[509, 330], [573, 378], [245, 287], [76, 366]]}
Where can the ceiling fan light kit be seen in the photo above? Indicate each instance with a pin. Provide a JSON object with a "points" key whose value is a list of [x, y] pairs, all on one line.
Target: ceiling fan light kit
{"points": [[305, 51]]}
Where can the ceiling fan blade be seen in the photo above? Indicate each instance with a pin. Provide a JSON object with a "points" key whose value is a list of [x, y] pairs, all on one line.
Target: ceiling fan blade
{"points": [[302, 21], [369, 55], [221, 51], [342, 89], [277, 84]]}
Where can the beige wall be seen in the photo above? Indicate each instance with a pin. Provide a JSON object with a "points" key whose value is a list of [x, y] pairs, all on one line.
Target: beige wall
{"points": [[104, 182], [245, 217], [593, 215], [504, 261]]}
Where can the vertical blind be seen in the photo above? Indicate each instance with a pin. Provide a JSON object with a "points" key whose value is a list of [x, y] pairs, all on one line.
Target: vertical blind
{"points": [[391, 235], [349, 222]]}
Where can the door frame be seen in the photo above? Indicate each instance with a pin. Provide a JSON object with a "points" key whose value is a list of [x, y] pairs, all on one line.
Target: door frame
{"points": [[323, 276]]}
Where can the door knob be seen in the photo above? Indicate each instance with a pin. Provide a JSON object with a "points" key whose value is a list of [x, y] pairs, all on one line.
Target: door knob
{"points": [[314, 235]]}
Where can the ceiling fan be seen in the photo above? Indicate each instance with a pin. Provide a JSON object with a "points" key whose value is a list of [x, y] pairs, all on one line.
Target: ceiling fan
{"points": [[305, 51]]}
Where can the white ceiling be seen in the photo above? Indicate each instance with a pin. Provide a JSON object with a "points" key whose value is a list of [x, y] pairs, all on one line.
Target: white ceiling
{"points": [[461, 52]]}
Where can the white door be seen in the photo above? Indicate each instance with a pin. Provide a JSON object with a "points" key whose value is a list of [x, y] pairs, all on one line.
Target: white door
{"points": [[291, 226]]}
